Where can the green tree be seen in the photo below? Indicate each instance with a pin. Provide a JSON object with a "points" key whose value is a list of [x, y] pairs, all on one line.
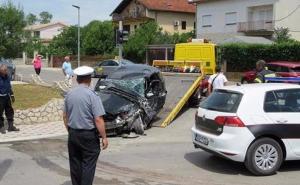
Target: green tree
{"points": [[135, 48], [12, 24], [282, 35], [45, 17], [65, 43], [98, 38], [33, 44], [150, 33], [31, 19]]}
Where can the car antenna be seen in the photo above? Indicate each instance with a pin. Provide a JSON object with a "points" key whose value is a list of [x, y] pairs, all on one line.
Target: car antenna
{"points": [[238, 84]]}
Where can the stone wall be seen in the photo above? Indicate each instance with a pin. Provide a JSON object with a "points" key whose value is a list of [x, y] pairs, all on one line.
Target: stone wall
{"points": [[50, 112]]}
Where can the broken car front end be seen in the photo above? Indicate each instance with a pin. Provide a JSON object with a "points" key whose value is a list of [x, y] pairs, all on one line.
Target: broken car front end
{"points": [[126, 104]]}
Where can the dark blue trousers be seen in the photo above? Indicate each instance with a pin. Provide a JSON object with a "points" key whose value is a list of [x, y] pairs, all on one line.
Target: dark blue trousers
{"points": [[84, 150]]}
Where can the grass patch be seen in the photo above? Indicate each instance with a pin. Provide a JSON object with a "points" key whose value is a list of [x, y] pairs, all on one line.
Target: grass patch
{"points": [[33, 96]]}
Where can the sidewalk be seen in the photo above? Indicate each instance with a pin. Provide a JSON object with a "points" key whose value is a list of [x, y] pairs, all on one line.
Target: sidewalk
{"points": [[35, 131]]}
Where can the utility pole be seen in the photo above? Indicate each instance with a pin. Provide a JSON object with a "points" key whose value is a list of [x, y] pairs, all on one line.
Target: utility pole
{"points": [[120, 44], [78, 42]]}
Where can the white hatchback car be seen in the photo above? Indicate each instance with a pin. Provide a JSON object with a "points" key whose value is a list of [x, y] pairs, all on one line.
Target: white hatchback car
{"points": [[258, 124]]}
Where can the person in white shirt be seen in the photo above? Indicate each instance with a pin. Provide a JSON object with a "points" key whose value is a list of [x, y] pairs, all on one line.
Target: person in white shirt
{"points": [[217, 80]]}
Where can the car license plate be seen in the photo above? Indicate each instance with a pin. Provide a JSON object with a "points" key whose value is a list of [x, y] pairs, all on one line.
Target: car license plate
{"points": [[201, 139]]}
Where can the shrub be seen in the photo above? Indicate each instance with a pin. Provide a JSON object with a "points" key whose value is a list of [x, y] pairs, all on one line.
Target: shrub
{"points": [[242, 57]]}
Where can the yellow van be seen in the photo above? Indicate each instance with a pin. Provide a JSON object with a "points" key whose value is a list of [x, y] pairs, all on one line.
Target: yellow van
{"points": [[199, 54], [195, 54]]}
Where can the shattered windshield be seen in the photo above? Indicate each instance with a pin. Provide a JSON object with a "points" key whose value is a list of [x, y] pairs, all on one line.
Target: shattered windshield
{"points": [[137, 85]]}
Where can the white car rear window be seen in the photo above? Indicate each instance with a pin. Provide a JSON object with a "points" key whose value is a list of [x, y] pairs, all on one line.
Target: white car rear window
{"points": [[222, 101]]}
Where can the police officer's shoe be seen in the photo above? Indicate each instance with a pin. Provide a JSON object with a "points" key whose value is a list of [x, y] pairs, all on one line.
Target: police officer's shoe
{"points": [[13, 129]]}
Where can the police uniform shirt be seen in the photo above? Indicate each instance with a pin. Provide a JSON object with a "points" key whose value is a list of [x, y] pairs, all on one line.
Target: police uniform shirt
{"points": [[82, 106], [5, 86]]}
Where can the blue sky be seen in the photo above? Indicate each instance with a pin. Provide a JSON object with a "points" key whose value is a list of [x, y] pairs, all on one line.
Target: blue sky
{"points": [[62, 10]]}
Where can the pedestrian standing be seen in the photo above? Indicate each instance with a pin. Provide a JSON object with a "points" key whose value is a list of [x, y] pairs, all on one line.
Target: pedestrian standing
{"points": [[217, 80], [37, 63], [67, 70], [6, 100], [83, 119]]}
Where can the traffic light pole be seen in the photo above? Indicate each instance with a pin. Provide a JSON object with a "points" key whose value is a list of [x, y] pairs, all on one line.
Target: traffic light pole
{"points": [[120, 44]]}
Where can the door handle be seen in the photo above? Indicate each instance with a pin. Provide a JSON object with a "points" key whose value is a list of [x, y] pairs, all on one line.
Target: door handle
{"points": [[282, 121]]}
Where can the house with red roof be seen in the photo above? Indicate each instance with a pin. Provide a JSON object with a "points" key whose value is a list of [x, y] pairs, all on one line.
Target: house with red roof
{"points": [[171, 15]]}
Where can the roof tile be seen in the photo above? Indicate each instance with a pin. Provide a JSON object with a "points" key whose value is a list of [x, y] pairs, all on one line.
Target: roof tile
{"points": [[169, 5]]}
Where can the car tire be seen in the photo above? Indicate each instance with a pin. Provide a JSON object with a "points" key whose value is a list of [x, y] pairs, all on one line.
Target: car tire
{"points": [[195, 99], [244, 81], [94, 74], [256, 155], [138, 126]]}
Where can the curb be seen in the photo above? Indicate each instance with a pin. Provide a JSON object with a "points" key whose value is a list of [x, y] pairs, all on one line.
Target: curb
{"points": [[44, 136]]}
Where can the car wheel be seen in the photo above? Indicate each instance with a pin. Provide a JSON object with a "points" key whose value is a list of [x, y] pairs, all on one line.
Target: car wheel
{"points": [[264, 157], [195, 99], [244, 81], [94, 74], [138, 126]]}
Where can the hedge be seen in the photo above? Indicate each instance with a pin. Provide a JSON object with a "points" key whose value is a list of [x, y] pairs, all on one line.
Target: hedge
{"points": [[242, 57]]}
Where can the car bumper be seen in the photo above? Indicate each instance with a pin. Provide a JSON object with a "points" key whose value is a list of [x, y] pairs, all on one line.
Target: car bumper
{"points": [[232, 143]]}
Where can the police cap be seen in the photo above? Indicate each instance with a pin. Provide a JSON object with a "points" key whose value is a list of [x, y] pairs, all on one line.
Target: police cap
{"points": [[83, 71]]}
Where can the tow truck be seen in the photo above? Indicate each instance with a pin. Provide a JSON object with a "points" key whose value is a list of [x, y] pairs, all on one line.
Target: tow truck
{"points": [[192, 63], [196, 60]]}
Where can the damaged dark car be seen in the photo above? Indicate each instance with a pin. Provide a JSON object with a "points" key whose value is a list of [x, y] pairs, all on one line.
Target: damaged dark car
{"points": [[132, 97]]}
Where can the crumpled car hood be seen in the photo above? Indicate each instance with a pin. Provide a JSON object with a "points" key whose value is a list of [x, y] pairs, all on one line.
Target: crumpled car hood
{"points": [[114, 104]]}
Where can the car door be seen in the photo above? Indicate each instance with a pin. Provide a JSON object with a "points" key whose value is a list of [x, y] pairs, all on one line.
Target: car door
{"points": [[283, 108], [155, 92]]}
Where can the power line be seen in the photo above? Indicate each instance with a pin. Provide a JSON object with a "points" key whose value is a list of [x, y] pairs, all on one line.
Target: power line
{"points": [[291, 13], [294, 31]]}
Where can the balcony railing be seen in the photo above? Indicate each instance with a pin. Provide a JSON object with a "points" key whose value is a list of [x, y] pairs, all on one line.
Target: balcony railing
{"points": [[256, 26], [130, 15]]}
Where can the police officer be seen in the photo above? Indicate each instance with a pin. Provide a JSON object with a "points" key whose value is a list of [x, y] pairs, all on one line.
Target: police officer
{"points": [[83, 119], [262, 72], [6, 100]]}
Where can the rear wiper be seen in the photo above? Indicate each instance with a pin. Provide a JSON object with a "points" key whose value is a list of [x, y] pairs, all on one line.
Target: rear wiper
{"points": [[211, 108]]}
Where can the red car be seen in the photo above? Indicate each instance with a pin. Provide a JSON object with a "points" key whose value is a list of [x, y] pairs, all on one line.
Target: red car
{"points": [[281, 68]]}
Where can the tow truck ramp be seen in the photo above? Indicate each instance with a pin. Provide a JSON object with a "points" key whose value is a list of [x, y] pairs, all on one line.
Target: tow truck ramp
{"points": [[180, 87]]}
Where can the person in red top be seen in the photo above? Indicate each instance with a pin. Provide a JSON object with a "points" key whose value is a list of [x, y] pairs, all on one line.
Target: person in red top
{"points": [[37, 63]]}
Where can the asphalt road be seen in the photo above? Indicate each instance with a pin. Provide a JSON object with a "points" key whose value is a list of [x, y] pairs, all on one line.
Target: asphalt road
{"points": [[49, 75], [163, 157]]}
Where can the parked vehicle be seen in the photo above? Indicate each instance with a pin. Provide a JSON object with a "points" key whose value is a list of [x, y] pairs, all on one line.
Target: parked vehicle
{"points": [[107, 67], [261, 131], [11, 67], [131, 96], [190, 58], [281, 68]]}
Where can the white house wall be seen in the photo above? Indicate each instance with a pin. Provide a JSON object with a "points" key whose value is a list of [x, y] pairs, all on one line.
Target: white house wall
{"points": [[49, 33], [218, 8], [284, 8]]}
